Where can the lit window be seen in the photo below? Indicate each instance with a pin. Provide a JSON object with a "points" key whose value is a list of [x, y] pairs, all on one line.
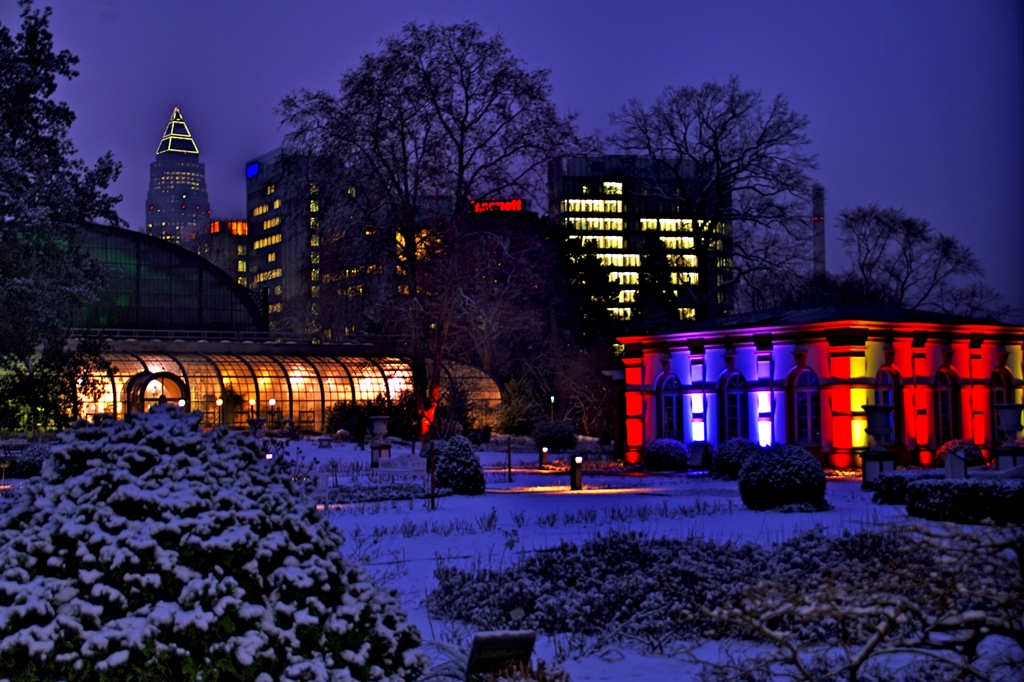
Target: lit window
{"points": [[624, 277], [270, 190], [592, 206], [683, 277], [277, 290], [687, 314], [241, 280], [627, 296], [314, 222], [314, 205], [315, 274], [275, 307], [595, 224], [314, 257], [277, 203], [620, 313], [241, 266], [266, 241], [314, 240], [352, 191], [273, 222], [697, 415], [648, 224], [677, 242], [260, 210], [314, 290], [314, 308], [272, 256], [241, 249], [313, 189], [268, 275], [613, 188], [603, 242]]}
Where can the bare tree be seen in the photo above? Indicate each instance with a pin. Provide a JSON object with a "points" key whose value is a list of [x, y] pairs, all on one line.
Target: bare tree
{"points": [[440, 117], [738, 167]]}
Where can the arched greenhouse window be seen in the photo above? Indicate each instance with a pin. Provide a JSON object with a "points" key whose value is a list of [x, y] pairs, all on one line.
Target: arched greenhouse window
{"points": [[734, 408], [947, 407], [887, 392], [671, 402], [806, 402]]}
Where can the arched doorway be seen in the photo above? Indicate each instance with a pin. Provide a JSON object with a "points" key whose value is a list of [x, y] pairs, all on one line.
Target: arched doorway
{"points": [[145, 390]]}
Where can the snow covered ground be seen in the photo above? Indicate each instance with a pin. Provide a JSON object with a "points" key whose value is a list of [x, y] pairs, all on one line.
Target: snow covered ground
{"points": [[402, 543]]}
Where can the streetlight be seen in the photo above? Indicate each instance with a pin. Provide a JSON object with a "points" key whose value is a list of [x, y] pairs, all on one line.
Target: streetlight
{"points": [[552, 408], [272, 403], [252, 407]]}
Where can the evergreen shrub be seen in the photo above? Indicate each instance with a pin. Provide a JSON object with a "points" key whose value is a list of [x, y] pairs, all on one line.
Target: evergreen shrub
{"points": [[781, 476], [732, 455], [891, 487], [968, 449], [555, 436], [666, 454], [149, 551], [967, 500], [457, 467], [29, 463]]}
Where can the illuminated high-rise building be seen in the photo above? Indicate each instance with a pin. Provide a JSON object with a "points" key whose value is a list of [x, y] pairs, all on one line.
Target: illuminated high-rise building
{"points": [[177, 206]]}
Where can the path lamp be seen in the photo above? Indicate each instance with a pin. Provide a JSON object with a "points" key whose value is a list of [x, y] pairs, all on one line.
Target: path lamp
{"points": [[1009, 455], [877, 460], [220, 412], [272, 404], [543, 457], [552, 408], [576, 473], [252, 408]]}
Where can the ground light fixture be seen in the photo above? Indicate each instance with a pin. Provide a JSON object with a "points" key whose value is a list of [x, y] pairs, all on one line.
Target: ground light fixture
{"points": [[543, 456], [181, 403], [576, 473]]}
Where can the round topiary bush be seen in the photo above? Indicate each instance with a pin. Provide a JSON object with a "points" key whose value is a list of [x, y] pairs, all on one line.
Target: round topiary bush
{"points": [[782, 475], [150, 550], [966, 448], [457, 467], [731, 456], [666, 454]]}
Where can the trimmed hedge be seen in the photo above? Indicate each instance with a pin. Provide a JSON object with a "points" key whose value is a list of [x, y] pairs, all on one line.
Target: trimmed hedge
{"points": [[666, 454], [781, 476], [732, 455], [891, 487], [967, 500]]}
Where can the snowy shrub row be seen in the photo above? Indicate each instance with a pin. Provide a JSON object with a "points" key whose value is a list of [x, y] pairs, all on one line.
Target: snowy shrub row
{"points": [[967, 449], [732, 455], [629, 587], [457, 467], [150, 550], [783, 476], [355, 494], [29, 463], [666, 454], [967, 500], [891, 487]]}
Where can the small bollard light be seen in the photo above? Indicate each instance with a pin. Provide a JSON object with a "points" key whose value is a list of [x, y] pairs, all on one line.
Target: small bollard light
{"points": [[269, 456], [543, 456], [576, 473], [181, 403]]}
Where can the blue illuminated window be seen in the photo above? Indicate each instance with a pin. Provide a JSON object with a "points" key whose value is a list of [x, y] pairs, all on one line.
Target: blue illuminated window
{"points": [[251, 170]]}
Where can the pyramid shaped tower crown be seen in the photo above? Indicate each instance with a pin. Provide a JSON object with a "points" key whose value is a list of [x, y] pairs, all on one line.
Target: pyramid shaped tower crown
{"points": [[177, 137]]}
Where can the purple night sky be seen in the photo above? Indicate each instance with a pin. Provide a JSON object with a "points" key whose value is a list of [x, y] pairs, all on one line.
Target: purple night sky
{"points": [[914, 104]]}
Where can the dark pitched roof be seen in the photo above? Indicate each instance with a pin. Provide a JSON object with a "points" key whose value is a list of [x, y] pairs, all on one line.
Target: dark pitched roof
{"points": [[810, 314]]}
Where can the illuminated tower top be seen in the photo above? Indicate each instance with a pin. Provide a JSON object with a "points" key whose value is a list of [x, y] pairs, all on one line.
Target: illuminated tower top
{"points": [[177, 137]]}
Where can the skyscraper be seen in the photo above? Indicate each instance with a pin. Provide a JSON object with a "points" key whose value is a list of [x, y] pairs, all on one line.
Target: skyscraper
{"points": [[177, 206]]}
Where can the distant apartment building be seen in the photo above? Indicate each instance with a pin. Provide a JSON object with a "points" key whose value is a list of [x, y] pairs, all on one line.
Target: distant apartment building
{"points": [[177, 205], [631, 216], [226, 244], [283, 212]]}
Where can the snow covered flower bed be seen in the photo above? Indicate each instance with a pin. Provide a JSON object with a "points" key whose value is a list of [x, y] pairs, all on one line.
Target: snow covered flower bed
{"points": [[149, 550]]}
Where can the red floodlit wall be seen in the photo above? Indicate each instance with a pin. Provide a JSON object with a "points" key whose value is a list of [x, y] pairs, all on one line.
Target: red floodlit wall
{"points": [[495, 205]]}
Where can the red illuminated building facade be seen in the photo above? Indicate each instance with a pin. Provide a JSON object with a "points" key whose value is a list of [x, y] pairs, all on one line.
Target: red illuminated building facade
{"points": [[802, 375]]}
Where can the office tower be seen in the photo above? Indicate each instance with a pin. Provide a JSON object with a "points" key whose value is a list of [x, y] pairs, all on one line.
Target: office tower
{"points": [[226, 244], [177, 206]]}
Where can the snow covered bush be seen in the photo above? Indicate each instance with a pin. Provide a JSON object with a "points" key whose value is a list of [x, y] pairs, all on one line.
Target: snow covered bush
{"points": [[782, 476], [965, 448], [666, 454], [731, 456], [967, 500], [891, 486], [150, 550], [29, 463], [457, 467]]}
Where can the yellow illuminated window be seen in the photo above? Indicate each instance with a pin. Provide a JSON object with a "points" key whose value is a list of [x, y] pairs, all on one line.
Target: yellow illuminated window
{"points": [[314, 240], [268, 275], [314, 290], [272, 256], [314, 257], [270, 190], [260, 210], [675, 225], [313, 189], [352, 191], [277, 290], [592, 206], [273, 222], [314, 205], [315, 275], [620, 313], [603, 242], [613, 188], [619, 260], [648, 223], [682, 260], [314, 222], [687, 314], [266, 241], [241, 280], [624, 277], [683, 277], [677, 242], [627, 296], [277, 203], [595, 224], [241, 249], [275, 307], [314, 308], [241, 266]]}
